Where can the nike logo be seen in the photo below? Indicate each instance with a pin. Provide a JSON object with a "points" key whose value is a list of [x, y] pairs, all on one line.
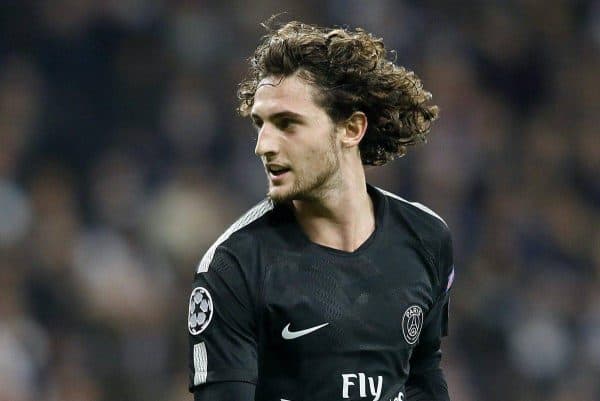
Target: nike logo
{"points": [[290, 335]]}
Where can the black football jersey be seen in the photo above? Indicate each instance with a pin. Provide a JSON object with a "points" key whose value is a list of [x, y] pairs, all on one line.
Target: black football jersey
{"points": [[305, 322]]}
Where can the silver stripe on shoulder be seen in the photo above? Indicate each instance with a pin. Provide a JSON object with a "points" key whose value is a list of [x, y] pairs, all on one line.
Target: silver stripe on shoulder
{"points": [[253, 214], [200, 364], [415, 204]]}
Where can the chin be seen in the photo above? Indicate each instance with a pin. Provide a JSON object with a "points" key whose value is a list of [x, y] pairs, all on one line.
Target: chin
{"points": [[280, 195], [297, 190], [286, 195]]}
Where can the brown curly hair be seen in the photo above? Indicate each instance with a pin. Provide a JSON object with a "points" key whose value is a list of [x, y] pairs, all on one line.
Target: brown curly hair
{"points": [[353, 72]]}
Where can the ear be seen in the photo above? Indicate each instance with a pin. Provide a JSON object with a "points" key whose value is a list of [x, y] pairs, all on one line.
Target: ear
{"points": [[354, 128]]}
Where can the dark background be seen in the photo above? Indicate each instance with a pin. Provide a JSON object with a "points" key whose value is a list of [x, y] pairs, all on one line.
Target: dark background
{"points": [[122, 160]]}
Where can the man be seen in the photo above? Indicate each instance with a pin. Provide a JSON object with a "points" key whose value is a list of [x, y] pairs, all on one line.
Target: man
{"points": [[329, 289]]}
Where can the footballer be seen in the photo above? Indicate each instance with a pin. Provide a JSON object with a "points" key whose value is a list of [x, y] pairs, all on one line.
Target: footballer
{"points": [[330, 289]]}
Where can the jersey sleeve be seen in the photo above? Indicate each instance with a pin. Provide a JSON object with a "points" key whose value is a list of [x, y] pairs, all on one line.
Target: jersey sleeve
{"points": [[222, 324], [439, 319], [436, 322], [426, 380]]}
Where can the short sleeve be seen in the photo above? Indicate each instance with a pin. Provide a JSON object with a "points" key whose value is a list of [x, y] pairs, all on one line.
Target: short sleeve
{"points": [[436, 324], [447, 280], [427, 354], [221, 324]]}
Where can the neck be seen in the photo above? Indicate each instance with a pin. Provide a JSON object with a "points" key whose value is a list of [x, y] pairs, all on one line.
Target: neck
{"points": [[342, 217]]}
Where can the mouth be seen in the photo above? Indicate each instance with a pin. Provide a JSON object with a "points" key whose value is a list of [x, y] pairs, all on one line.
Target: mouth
{"points": [[276, 171]]}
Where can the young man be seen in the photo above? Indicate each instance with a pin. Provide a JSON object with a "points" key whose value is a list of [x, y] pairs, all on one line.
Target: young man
{"points": [[330, 289]]}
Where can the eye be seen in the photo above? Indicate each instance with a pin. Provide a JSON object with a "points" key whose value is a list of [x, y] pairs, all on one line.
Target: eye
{"points": [[285, 124], [257, 123]]}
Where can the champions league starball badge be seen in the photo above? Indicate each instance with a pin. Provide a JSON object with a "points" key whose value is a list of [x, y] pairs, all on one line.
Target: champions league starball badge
{"points": [[412, 322], [201, 310]]}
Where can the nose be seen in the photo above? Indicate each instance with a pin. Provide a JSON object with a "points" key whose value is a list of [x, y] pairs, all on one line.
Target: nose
{"points": [[266, 143]]}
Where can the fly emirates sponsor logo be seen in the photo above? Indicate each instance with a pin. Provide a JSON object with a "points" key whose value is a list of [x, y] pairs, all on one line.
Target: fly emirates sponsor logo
{"points": [[365, 386]]}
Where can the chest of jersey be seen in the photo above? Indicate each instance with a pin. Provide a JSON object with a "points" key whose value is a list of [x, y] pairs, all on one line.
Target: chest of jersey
{"points": [[331, 317], [319, 304]]}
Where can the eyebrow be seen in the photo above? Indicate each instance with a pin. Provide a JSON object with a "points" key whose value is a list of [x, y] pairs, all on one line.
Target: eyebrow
{"points": [[281, 114]]}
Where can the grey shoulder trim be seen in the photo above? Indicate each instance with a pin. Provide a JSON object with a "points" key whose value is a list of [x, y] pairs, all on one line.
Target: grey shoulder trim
{"points": [[251, 215], [415, 204]]}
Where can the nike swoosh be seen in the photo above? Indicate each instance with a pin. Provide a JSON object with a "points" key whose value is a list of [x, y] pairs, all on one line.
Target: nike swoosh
{"points": [[290, 335]]}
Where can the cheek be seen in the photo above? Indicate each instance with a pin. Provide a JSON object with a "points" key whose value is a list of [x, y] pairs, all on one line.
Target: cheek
{"points": [[315, 156], [313, 146]]}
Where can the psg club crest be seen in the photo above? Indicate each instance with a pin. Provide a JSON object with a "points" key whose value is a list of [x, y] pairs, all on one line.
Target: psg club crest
{"points": [[412, 322], [201, 310]]}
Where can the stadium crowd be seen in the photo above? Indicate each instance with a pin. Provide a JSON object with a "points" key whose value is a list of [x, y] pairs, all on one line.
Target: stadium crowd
{"points": [[122, 159]]}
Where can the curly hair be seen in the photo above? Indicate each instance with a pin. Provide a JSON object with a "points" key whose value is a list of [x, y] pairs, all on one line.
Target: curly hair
{"points": [[353, 72]]}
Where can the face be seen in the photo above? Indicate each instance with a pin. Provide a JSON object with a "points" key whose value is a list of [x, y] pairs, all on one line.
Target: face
{"points": [[296, 140]]}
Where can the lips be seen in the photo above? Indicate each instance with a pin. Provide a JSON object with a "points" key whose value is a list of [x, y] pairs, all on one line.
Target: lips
{"points": [[277, 173], [277, 170]]}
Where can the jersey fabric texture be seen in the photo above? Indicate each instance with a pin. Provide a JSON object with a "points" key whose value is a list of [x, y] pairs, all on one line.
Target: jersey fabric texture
{"points": [[305, 322]]}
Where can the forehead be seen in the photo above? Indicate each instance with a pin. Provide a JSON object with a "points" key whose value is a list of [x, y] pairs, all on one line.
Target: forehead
{"points": [[276, 94]]}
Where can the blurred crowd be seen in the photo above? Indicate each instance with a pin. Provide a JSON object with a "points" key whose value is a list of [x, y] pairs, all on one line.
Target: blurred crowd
{"points": [[122, 159]]}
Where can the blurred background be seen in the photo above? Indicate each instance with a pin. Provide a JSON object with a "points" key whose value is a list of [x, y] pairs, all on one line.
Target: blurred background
{"points": [[122, 159]]}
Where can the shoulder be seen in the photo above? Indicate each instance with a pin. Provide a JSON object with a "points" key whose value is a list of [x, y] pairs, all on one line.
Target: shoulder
{"points": [[417, 214], [429, 227], [241, 236]]}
